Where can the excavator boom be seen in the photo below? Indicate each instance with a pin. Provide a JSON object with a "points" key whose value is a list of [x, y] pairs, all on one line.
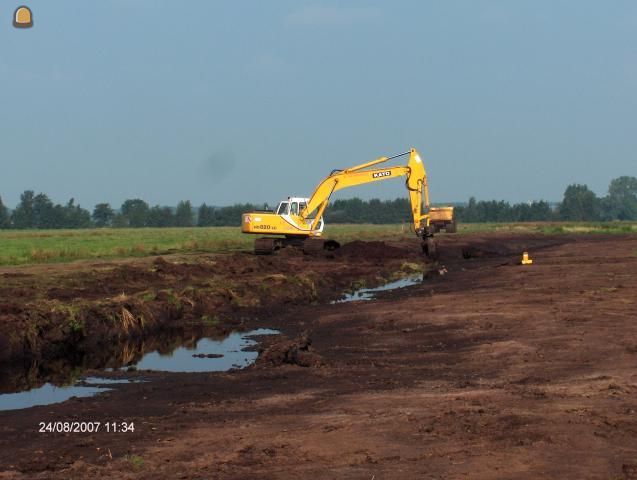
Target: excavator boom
{"points": [[416, 184]]}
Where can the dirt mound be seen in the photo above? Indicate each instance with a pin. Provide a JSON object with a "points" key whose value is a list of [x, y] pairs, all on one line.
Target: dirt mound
{"points": [[360, 249], [162, 266], [294, 352], [185, 270]]}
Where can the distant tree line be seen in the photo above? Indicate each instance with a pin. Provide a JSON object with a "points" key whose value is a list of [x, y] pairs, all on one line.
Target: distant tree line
{"points": [[579, 204], [38, 211]]}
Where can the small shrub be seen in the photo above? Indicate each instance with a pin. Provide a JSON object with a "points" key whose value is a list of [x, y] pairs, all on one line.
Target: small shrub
{"points": [[76, 325]]}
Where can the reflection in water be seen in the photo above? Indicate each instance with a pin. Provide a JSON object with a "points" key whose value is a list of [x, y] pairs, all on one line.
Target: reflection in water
{"points": [[43, 383], [369, 293], [109, 381], [225, 354]]}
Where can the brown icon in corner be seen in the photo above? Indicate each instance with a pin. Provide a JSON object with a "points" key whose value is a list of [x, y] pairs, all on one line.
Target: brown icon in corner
{"points": [[22, 17]]}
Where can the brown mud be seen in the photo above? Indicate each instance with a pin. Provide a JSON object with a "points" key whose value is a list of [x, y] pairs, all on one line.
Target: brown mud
{"points": [[490, 370]]}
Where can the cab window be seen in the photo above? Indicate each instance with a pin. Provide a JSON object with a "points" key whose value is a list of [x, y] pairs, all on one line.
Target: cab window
{"points": [[283, 208], [294, 209]]}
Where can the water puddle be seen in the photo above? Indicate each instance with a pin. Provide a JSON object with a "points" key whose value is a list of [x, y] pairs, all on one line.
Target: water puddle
{"points": [[207, 355], [370, 293], [200, 355], [45, 395]]}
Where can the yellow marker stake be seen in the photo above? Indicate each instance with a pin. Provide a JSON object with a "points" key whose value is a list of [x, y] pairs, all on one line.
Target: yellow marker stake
{"points": [[23, 18], [525, 259]]}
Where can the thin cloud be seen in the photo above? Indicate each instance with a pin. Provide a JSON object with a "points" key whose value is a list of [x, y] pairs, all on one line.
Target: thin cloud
{"points": [[331, 16]]}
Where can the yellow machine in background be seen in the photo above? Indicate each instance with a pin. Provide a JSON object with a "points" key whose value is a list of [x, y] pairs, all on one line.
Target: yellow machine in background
{"points": [[298, 221], [442, 217]]}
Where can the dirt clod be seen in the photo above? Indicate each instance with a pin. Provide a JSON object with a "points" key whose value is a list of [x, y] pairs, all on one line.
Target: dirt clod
{"points": [[295, 352]]}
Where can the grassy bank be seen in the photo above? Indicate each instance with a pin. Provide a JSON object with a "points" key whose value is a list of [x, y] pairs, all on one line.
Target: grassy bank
{"points": [[18, 247]]}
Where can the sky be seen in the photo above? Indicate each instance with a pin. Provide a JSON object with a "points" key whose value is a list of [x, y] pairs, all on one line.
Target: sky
{"points": [[250, 101]]}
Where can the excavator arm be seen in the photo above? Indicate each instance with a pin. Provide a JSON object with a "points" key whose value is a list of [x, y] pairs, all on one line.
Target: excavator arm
{"points": [[416, 183]]}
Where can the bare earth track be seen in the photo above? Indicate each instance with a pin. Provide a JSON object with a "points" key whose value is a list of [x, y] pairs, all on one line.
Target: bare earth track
{"points": [[493, 370]]}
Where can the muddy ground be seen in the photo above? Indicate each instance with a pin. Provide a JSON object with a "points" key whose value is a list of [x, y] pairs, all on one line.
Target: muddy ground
{"points": [[60, 319], [491, 370]]}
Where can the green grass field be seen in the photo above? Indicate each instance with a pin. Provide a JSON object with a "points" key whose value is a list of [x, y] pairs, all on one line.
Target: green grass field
{"points": [[18, 247]]}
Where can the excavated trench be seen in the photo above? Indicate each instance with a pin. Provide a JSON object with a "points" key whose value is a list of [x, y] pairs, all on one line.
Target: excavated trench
{"points": [[193, 313]]}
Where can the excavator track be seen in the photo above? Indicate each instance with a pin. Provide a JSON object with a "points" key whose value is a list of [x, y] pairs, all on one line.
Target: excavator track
{"points": [[266, 246], [313, 245], [269, 245]]}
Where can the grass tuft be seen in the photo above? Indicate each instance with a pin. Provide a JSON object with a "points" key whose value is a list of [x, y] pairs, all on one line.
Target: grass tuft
{"points": [[136, 461], [210, 321], [127, 320]]}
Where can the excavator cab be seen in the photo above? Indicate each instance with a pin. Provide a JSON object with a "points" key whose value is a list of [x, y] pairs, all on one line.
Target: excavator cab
{"points": [[283, 208], [291, 206], [287, 222]]}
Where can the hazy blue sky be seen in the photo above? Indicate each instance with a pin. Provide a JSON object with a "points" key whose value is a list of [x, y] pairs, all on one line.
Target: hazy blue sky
{"points": [[233, 101]]}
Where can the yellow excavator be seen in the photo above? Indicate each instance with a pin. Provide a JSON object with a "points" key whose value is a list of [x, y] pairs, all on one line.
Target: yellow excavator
{"points": [[298, 221]]}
